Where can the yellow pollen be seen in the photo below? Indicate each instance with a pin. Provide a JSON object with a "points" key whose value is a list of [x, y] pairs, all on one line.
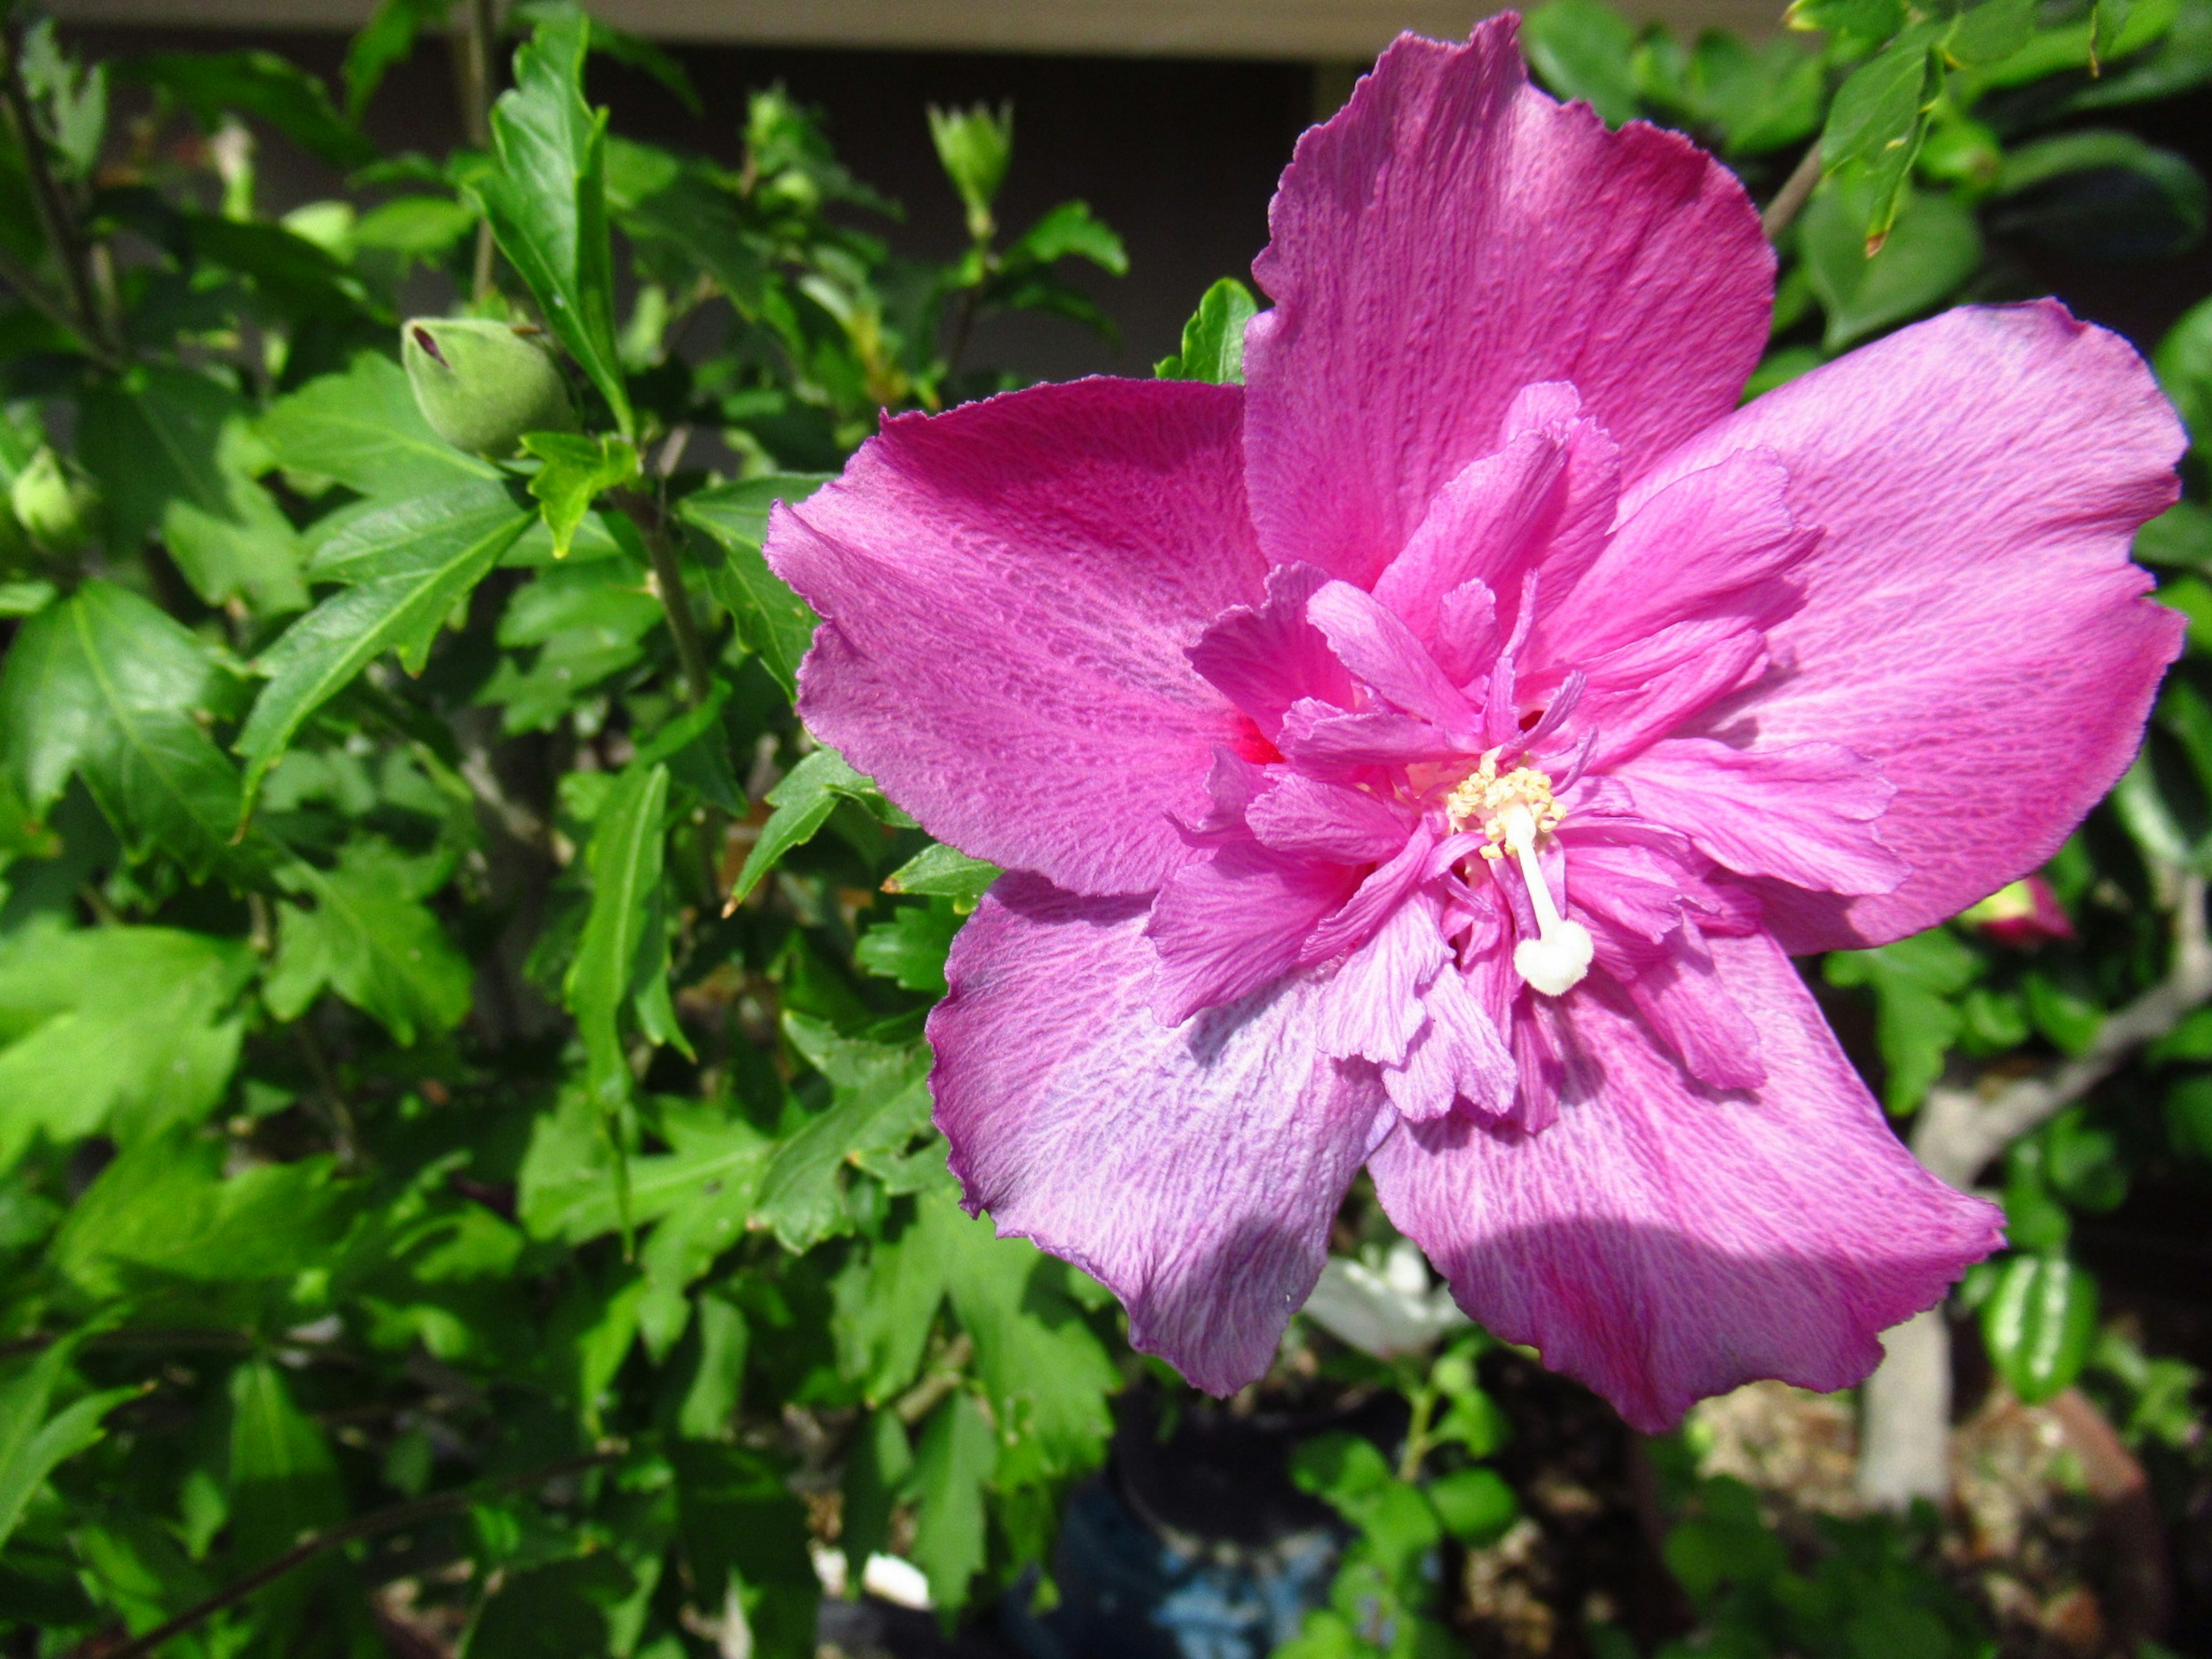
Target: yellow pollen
{"points": [[1487, 797]]}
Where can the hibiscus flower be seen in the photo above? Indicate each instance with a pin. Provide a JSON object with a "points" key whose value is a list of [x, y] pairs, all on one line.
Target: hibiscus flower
{"points": [[1429, 754]]}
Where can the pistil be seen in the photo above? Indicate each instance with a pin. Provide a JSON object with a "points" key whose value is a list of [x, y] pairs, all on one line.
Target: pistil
{"points": [[1514, 810]]}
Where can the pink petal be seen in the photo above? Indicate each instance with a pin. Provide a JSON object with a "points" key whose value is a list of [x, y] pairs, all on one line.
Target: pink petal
{"points": [[1195, 1171], [1640, 693], [1458, 1055], [1369, 1007], [1689, 1010], [1324, 740], [1304, 816], [1452, 236], [1661, 1241], [1806, 814], [1713, 544], [1009, 592], [1264, 658], [1227, 924], [1382, 890], [1383, 652], [1971, 624]]}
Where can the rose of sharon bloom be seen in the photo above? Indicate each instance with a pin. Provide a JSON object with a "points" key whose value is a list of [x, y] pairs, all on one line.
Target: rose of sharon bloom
{"points": [[1429, 754]]}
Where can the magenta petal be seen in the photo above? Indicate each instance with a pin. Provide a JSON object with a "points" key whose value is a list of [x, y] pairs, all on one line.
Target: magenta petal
{"points": [[1370, 1006], [1301, 815], [1383, 652], [1635, 695], [1691, 1012], [1195, 1171], [1457, 1055], [1225, 925], [1805, 814], [1452, 236], [1661, 1242], [1971, 624], [1008, 593], [1264, 658]]}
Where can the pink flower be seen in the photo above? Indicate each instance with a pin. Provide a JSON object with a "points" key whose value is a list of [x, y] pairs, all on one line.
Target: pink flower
{"points": [[1428, 755]]}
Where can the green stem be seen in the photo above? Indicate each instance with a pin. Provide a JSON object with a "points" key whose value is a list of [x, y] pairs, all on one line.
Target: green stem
{"points": [[1417, 1433], [1789, 200], [55, 217], [668, 577]]}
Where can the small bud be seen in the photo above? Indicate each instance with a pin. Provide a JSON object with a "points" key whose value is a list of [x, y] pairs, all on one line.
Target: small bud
{"points": [[482, 384], [54, 508], [2023, 914]]}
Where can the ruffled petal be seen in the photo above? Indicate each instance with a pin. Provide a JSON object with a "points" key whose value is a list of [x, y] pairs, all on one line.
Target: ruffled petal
{"points": [[1661, 1242], [1370, 1005], [1264, 658], [1457, 1055], [1195, 1171], [1452, 236], [1381, 651], [1228, 923], [1304, 816], [1806, 814], [1970, 623], [1008, 592]]}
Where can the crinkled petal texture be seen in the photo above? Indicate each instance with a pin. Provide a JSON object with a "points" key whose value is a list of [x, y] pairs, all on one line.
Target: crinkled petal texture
{"points": [[1007, 592], [1195, 1168], [1661, 1241], [1971, 627], [1452, 237]]}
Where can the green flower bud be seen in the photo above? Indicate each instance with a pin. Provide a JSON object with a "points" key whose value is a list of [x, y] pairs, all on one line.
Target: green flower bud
{"points": [[482, 384], [54, 508]]}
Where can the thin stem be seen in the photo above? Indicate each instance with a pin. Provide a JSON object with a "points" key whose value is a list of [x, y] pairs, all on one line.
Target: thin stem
{"points": [[668, 576], [1424, 1400], [477, 66], [918, 1401], [1789, 200], [34, 293], [54, 214], [315, 1544]]}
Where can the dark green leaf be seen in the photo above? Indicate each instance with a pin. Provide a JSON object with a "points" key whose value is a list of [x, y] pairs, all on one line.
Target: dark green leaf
{"points": [[954, 1461], [548, 199], [803, 803], [622, 948], [385, 42], [942, 871], [257, 84], [407, 566], [2183, 362], [744, 1535], [1582, 49], [775, 623], [283, 1481], [2101, 195], [910, 949], [1934, 246], [34, 1441], [1914, 981], [2179, 537], [369, 937]]}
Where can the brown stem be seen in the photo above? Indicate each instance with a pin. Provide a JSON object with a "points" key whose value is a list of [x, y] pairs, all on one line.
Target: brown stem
{"points": [[1789, 200], [668, 576], [315, 1544], [477, 62], [54, 214]]}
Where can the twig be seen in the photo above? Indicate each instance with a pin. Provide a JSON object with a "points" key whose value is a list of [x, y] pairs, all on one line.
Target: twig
{"points": [[668, 576], [477, 66], [54, 214], [918, 1401], [315, 1544], [34, 293], [1959, 1132], [1789, 200]]}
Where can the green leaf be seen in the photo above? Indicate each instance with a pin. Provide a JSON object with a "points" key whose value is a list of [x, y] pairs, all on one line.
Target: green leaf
{"points": [[744, 1534], [547, 200], [2039, 1323], [2179, 537], [909, 950], [2189, 1117], [369, 937], [118, 1030], [104, 686], [283, 1480], [875, 1473], [1068, 230], [1916, 1020], [1876, 109], [775, 623], [710, 1403], [211, 84], [1582, 48], [803, 803], [942, 871], [1213, 338], [576, 468], [33, 1444], [879, 1101], [1934, 246], [363, 427], [630, 50], [1989, 32], [954, 1461], [2100, 194], [2070, 1021], [167, 447], [386, 41], [415, 226], [407, 566], [2183, 363], [623, 951], [1475, 1505], [974, 146], [590, 620]]}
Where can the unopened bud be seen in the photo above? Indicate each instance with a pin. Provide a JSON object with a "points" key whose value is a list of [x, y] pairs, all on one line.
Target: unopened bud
{"points": [[482, 384], [2024, 914], [54, 508]]}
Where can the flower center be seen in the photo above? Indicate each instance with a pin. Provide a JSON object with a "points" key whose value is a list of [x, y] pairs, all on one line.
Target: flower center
{"points": [[1515, 810]]}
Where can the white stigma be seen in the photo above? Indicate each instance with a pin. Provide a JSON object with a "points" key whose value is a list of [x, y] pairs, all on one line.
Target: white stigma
{"points": [[1514, 810]]}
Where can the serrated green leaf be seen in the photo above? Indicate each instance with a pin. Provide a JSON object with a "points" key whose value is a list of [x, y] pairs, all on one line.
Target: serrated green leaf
{"points": [[1213, 338], [803, 802], [363, 428], [775, 623], [368, 936], [1933, 247], [910, 949], [1914, 981], [879, 1101], [954, 1463], [406, 567], [547, 198], [104, 686], [283, 1480], [33, 1444], [167, 446], [942, 871], [118, 1030], [576, 468], [622, 943], [2039, 1323]]}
